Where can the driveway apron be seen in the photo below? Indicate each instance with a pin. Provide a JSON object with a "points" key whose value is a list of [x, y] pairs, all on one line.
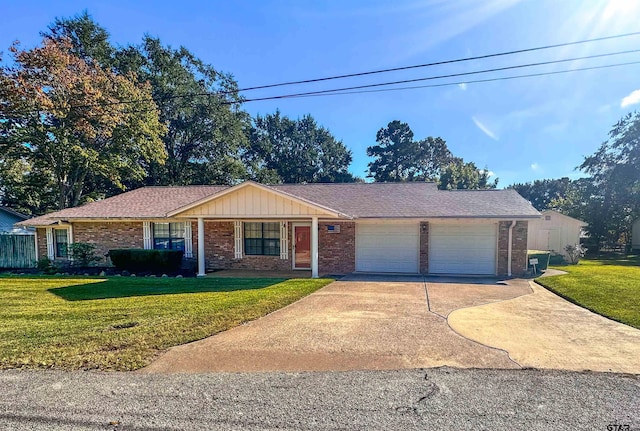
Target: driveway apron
{"points": [[358, 323], [542, 330]]}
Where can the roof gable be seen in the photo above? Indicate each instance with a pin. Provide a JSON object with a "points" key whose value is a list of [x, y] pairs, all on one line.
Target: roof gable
{"points": [[564, 216], [253, 200]]}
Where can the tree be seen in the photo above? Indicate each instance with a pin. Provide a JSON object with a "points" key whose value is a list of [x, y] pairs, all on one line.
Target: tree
{"points": [[460, 175], [541, 193], [88, 40], [615, 174], [201, 107], [199, 104], [63, 118], [399, 158], [296, 151]]}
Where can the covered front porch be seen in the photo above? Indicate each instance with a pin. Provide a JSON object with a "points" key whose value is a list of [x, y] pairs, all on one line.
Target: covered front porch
{"points": [[253, 227]]}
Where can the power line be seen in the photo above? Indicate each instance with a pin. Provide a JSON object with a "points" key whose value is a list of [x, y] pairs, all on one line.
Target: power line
{"points": [[503, 78], [307, 81], [438, 63], [452, 75]]}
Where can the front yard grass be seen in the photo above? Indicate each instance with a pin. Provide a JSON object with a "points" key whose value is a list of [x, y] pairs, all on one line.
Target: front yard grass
{"points": [[610, 287], [122, 323]]}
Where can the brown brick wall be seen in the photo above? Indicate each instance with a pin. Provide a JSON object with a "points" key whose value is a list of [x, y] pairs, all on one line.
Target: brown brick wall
{"points": [[219, 250], [337, 251], [108, 235], [42, 243], [518, 250], [424, 247]]}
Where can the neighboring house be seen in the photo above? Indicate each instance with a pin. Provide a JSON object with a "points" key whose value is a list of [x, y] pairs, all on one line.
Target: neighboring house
{"points": [[8, 218], [326, 228], [635, 235], [17, 246], [554, 231]]}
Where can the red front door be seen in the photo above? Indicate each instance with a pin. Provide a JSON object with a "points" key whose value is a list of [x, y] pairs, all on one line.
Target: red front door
{"points": [[302, 253]]}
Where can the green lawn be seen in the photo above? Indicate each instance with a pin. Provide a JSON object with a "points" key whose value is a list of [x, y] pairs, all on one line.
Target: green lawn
{"points": [[610, 287], [122, 323]]}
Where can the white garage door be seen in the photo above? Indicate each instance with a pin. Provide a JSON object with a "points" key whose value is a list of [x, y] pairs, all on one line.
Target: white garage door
{"points": [[387, 248], [462, 249]]}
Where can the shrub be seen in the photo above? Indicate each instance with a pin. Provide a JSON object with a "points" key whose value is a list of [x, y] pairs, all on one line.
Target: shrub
{"points": [[139, 260], [83, 254], [46, 265], [575, 253]]}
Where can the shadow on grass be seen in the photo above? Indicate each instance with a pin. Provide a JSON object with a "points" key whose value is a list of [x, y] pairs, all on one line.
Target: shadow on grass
{"points": [[118, 287], [614, 260]]}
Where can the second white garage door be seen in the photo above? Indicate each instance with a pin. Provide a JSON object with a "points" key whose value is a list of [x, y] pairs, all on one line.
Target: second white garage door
{"points": [[387, 247], [462, 249]]}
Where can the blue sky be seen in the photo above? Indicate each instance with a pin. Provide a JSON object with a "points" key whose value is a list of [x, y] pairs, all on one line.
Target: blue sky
{"points": [[522, 129]]}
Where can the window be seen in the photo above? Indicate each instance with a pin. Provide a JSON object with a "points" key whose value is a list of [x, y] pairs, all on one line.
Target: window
{"points": [[262, 239], [61, 241], [168, 236], [547, 217]]}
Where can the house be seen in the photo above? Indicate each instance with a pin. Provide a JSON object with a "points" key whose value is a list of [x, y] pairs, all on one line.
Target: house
{"points": [[635, 235], [17, 246], [8, 218], [554, 231], [326, 228]]}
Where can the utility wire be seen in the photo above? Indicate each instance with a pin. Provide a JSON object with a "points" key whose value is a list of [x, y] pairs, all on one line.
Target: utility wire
{"points": [[452, 75], [503, 78], [307, 81], [437, 63], [446, 84], [361, 88]]}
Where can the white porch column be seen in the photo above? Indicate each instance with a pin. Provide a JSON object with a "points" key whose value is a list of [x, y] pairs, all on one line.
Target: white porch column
{"points": [[314, 247], [201, 268]]}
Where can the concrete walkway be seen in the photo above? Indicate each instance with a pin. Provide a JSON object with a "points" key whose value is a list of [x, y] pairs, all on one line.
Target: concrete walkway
{"points": [[367, 323], [542, 330]]}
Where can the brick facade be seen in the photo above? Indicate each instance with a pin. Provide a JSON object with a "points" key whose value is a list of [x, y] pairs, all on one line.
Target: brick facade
{"points": [[219, 250], [104, 235], [518, 250], [424, 247], [337, 251], [109, 235], [42, 242]]}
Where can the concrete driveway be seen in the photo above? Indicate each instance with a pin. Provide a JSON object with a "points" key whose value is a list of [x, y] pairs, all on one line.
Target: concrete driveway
{"points": [[355, 323], [386, 322]]}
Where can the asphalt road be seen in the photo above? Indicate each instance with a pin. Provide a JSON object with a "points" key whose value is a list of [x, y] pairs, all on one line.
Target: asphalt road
{"points": [[441, 398]]}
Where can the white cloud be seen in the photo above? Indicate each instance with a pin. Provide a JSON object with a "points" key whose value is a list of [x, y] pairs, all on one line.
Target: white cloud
{"points": [[462, 86], [631, 99], [535, 167], [489, 173], [484, 129]]}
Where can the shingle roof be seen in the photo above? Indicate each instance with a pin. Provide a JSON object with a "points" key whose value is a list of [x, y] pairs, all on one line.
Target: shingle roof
{"points": [[419, 199], [358, 200], [142, 203], [14, 213]]}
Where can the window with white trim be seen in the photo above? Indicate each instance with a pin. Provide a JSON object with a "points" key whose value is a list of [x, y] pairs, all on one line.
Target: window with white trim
{"points": [[262, 239], [61, 243], [168, 236]]}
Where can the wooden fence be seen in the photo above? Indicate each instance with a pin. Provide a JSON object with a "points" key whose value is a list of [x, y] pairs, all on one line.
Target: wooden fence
{"points": [[17, 251]]}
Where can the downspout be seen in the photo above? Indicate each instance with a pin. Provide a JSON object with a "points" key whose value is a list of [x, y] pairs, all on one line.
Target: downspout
{"points": [[510, 247]]}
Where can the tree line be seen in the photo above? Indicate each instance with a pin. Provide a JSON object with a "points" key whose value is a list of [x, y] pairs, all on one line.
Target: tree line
{"points": [[608, 197], [82, 119]]}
